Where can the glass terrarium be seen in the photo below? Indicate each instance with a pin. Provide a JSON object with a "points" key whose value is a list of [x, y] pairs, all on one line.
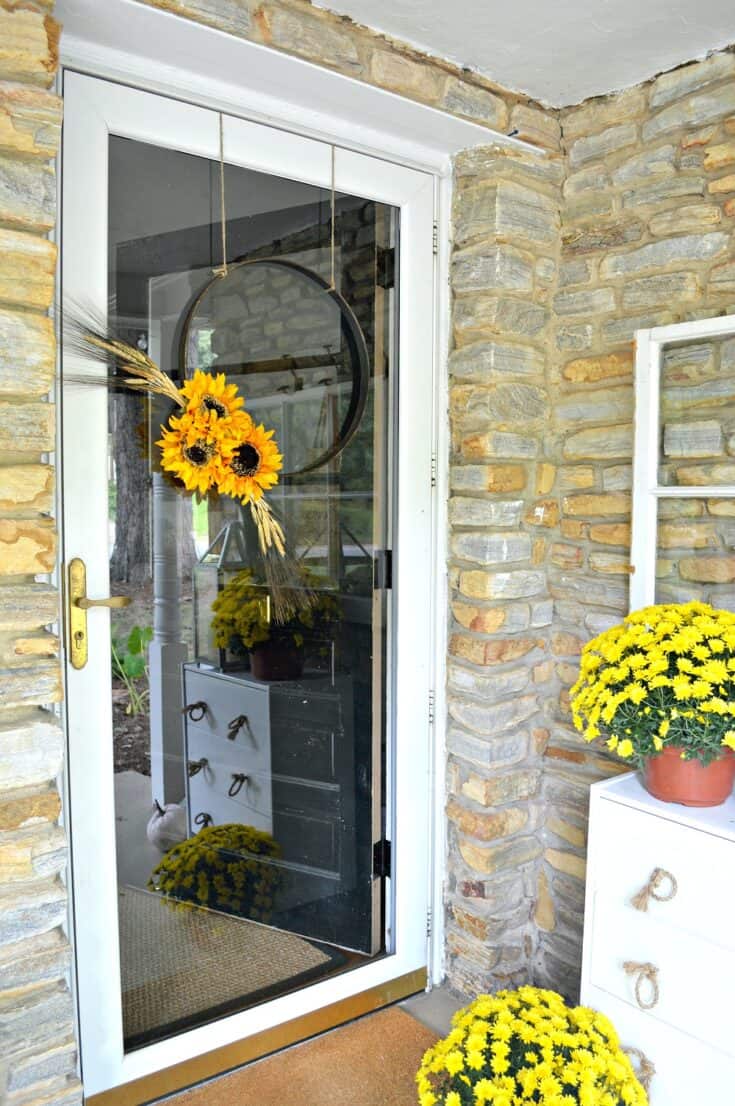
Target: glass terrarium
{"points": [[221, 568]]}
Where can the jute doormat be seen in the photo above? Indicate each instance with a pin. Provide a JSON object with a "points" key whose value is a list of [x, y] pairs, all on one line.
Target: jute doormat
{"points": [[180, 967], [370, 1062]]}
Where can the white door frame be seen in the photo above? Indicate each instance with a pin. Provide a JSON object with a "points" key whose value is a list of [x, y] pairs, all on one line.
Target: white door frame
{"points": [[129, 42], [94, 109]]}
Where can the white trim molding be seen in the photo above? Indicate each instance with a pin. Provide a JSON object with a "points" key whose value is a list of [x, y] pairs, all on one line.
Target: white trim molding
{"points": [[647, 443]]}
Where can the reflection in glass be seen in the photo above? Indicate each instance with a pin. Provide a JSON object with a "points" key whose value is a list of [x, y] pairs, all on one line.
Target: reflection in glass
{"points": [[249, 757]]}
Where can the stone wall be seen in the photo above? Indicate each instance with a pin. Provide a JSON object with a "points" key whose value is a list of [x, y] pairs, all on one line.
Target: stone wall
{"points": [[503, 512], [648, 238], [336, 42], [37, 1048]]}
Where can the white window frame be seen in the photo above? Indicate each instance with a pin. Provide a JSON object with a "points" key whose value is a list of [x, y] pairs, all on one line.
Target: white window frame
{"points": [[647, 491]]}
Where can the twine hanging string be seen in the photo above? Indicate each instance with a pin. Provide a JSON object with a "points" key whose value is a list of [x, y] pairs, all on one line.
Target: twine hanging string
{"points": [[333, 206], [221, 270], [644, 973], [646, 1070], [651, 890]]}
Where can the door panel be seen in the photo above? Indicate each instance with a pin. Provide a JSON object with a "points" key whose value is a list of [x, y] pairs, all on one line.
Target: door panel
{"points": [[306, 762]]}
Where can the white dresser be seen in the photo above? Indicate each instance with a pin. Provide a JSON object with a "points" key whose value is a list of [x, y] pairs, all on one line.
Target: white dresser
{"points": [[664, 975]]}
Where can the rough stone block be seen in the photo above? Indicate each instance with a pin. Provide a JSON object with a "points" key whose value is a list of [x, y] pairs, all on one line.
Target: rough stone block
{"points": [[722, 184], [597, 147], [34, 960], [22, 687], [30, 750], [569, 863], [27, 547], [27, 194], [594, 179], [602, 112], [28, 353], [594, 301], [688, 78], [715, 157], [404, 75], [479, 317], [544, 512], [508, 211], [686, 217], [516, 584], [492, 718], [595, 505], [722, 277], [663, 288], [26, 488], [702, 438], [534, 125], [497, 443], [499, 405], [708, 570], [56, 1061], [609, 563], [489, 549], [484, 163], [486, 653], [30, 120], [490, 362], [495, 752], [690, 535], [484, 826], [35, 853], [651, 163], [544, 914], [617, 478], [704, 107], [609, 405], [485, 269], [711, 393], [668, 251], [498, 858], [474, 102], [576, 271], [590, 370], [600, 237], [313, 38], [28, 606], [27, 427], [495, 685], [575, 337], [465, 511], [27, 269], [27, 910], [28, 47]]}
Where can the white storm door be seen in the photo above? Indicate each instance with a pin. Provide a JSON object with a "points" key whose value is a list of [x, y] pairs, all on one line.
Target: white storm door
{"points": [[98, 115]]}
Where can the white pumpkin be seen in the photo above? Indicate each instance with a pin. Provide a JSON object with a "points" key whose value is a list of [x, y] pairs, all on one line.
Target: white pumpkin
{"points": [[167, 826]]}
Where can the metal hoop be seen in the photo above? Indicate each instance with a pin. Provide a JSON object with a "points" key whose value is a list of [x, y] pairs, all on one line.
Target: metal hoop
{"points": [[359, 361]]}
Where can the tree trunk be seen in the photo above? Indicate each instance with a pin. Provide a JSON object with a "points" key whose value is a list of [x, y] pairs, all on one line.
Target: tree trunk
{"points": [[130, 562]]}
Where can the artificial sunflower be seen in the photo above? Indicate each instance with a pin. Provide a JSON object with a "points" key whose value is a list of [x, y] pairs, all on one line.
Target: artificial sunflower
{"points": [[190, 453], [249, 465], [211, 399]]}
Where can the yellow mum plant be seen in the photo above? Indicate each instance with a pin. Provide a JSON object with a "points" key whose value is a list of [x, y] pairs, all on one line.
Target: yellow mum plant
{"points": [[664, 676], [528, 1046]]}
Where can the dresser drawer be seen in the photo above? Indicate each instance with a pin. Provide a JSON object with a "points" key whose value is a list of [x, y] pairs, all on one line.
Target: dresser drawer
{"points": [[630, 845], [688, 1072], [224, 702], [696, 978], [209, 794]]}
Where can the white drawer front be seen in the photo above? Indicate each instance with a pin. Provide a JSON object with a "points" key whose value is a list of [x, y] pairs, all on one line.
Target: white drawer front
{"points": [[224, 704], [688, 1073], [630, 845], [209, 794], [696, 979]]}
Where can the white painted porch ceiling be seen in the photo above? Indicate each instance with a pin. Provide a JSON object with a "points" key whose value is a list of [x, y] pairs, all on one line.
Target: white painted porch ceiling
{"points": [[558, 51]]}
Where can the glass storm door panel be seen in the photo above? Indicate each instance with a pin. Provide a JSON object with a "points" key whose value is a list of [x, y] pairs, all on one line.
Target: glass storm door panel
{"points": [[240, 760]]}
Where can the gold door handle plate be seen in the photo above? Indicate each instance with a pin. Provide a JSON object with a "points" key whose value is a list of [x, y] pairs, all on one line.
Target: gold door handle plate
{"points": [[79, 604]]}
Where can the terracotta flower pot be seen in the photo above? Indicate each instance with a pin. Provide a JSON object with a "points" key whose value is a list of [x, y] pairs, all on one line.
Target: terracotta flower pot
{"points": [[689, 782], [279, 658]]}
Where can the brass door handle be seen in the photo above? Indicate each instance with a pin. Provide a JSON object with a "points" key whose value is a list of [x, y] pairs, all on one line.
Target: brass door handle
{"points": [[110, 601], [78, 605]]}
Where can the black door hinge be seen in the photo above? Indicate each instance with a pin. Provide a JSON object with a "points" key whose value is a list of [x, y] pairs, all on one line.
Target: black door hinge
{"points": [[385, 276], [382, 859], [383, 570]]}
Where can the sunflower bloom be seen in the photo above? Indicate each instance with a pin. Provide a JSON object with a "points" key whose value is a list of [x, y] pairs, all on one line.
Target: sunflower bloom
{"points": [[250, 465]]}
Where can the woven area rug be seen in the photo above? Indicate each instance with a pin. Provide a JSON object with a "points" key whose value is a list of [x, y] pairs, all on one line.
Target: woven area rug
{"points": [[182, 967], [370, 1062]]}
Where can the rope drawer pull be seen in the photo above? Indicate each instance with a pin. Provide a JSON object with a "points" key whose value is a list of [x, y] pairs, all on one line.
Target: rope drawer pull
{"points": [[646, 1070], [195, 711], [195, 766], [644, 973], [234, 727], [651, 889], [238, 780], [203, 819]]}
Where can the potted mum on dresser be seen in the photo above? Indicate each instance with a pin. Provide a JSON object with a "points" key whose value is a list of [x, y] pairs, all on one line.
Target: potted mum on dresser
{"points": [[660, 687]]}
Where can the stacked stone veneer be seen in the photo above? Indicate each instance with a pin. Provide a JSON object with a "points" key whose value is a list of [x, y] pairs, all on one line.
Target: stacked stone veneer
{"points": [[37, 1049]]}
